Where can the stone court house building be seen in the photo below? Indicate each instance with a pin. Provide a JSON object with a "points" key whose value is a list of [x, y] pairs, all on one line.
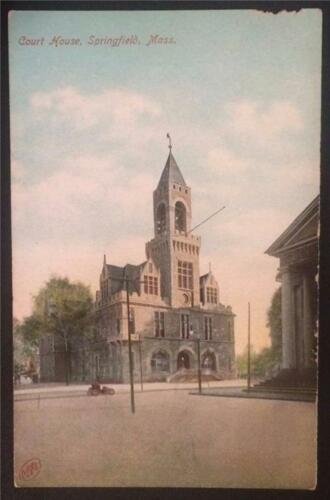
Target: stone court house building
{"points": [[170, 303]]}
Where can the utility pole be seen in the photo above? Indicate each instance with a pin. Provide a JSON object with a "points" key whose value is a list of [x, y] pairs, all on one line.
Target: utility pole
{"points": [[199, 365], [197, 338], [249, 349], [130, 357], [126, 280], [140, 359]]}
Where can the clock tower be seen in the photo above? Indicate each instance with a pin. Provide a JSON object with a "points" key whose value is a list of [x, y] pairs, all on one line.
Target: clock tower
{"points": [[174, 248]]}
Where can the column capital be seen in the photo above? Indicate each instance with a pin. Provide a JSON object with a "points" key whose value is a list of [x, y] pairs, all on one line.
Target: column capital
{"points": [[284, 270]]}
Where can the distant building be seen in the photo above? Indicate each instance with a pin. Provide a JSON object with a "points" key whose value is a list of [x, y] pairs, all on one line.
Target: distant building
{"points": [[170, 303], [297, 250]]}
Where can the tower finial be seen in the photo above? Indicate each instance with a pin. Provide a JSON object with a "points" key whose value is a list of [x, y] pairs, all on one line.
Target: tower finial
{"points": [[210, 269], [169, 141], [104, 259]]}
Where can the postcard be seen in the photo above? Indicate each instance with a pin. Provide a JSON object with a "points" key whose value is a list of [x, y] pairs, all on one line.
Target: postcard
{"points": [[165, 172]]}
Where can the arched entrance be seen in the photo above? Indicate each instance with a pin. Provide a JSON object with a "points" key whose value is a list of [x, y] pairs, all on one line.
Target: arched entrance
{"points": [[183, 360], [208, 361], [160, 361]]}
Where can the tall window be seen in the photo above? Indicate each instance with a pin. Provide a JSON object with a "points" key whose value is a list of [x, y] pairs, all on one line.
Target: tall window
{"points": [[161, 219], [159, 324], [211, 295], [131, 320], [180, 216], [151, 285], [208, 327], [230, 329], [185, 275], [104, 290], [185, 326], [118, 325]]}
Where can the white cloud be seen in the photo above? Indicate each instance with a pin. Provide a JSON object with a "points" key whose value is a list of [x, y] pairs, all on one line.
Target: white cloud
{"points": [[115, 107], [65, 203], [263, 121], [224, 161]]}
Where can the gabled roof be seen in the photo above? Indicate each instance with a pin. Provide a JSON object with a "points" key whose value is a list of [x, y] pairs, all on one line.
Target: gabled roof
{"points": [[304, 229], [117, 275], [204, 277], [171, 173]]}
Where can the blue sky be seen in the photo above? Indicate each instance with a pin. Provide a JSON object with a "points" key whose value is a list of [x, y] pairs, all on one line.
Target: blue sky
{"points": [[239, 93]]}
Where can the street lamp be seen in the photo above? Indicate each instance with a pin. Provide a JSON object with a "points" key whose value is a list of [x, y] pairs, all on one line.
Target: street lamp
{"points": [[140, 359], [197, 338], [249, 349]]}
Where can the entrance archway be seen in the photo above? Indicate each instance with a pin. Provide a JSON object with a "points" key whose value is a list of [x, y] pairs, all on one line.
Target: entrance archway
{"points": [[208, 361], [183, 360], [160, 361]]}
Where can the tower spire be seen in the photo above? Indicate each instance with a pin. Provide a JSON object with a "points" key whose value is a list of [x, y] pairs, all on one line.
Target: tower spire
{"points": [[169, 141]]}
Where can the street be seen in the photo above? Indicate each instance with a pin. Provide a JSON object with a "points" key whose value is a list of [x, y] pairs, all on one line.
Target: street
{"points": [[174, 439]]}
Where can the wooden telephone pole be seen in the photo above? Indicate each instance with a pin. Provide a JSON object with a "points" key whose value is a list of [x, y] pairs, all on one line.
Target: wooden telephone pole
{"points": [[249, 349]]}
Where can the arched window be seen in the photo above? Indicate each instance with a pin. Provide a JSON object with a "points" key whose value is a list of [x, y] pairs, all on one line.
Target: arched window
{"points": [[208, 361], [180, 216], [160, 362], [161, 218]]}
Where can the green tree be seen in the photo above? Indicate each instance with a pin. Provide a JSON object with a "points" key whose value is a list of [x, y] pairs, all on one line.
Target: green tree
{"points": [[265, 362], [64, 310], [274, 323], [242, 362], [18, 351], [261, 363]]}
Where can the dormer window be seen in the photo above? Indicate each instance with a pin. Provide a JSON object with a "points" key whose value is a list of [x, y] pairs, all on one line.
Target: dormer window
{"points": [[150, 285], [211, 295]]}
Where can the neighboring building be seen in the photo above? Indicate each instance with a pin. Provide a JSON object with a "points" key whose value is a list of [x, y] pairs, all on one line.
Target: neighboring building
{"points": [[297, 249], [170, 303]]}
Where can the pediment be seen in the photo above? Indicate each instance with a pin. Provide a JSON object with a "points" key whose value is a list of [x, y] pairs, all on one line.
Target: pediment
{"points": [[302, 230], [306, 233]]}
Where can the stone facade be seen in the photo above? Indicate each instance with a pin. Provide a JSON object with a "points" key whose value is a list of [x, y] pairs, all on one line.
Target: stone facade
{"points": [[170, 304], [297, 250]]}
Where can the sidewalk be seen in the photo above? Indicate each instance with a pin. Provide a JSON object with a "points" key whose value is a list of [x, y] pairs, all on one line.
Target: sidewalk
{"points": [[52, 390]]}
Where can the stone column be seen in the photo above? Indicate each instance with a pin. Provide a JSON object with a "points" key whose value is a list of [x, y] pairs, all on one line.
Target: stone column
{"points": [[308, 319], [288, 358]]}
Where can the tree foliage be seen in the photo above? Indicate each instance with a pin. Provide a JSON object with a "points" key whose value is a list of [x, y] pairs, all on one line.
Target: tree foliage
{"points": [[268, 360], [62, 308], [24, 350], [274, 321], [262, 364]]}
